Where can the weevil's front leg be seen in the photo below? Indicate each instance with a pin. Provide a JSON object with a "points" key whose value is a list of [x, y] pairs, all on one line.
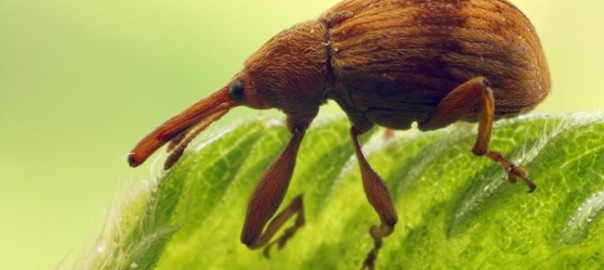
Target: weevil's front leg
{"points": [[475, 97], [269, 193], [378, 196]]}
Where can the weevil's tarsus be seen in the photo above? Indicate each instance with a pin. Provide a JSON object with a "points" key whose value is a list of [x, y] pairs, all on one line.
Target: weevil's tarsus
{"points": [[269, 193], [296, 207], [201, 113], [474, 98], [377, 232], [512, 170], [378, 196]]}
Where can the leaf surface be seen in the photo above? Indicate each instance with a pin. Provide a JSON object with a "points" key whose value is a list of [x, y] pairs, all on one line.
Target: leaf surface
{"points": [[455, 210]]}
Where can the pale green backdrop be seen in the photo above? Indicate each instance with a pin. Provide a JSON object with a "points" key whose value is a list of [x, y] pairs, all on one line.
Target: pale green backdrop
{"points": [[82, 81]]}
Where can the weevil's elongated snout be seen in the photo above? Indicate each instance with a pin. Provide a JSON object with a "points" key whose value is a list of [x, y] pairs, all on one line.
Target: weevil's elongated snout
{"points": [[191, 121]]}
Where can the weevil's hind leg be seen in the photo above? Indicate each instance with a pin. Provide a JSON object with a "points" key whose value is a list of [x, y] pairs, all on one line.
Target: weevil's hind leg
{"points": [[475, 97], [377, 195], [269, 193]]}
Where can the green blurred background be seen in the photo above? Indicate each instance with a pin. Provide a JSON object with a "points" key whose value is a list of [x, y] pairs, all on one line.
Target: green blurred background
{"points": [[82, 81]]}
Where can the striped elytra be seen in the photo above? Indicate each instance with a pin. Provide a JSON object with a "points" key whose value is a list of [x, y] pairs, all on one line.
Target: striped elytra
{"points": [[405, 56]]}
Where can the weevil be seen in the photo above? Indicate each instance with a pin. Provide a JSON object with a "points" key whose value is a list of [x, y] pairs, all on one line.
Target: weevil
{"points": [[389, 63]]}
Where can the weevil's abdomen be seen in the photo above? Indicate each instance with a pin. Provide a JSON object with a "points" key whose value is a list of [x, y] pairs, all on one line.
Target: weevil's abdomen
{"points": [[395, 60]]}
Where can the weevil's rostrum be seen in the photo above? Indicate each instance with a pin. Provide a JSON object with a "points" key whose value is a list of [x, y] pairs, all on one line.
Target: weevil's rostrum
{"points": [[384, 62]]}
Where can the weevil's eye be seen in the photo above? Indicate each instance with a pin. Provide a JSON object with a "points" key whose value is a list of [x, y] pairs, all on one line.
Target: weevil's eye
{"points": [[236, 90]]}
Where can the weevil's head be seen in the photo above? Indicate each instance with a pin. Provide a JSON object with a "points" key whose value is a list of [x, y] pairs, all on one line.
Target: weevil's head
{"points": [[288, 73]]}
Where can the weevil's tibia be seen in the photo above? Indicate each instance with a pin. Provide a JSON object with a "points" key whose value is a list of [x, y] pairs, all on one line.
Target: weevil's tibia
{"points": [[379, 197], [474, 97], [269, 193]]}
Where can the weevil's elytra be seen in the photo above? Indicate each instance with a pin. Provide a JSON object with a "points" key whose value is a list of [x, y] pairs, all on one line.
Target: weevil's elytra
{"points": [[385, 62], [435, 46]]}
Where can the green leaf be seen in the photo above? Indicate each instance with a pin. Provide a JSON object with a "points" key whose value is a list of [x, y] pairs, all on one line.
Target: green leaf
{"points": [[455, 210]]}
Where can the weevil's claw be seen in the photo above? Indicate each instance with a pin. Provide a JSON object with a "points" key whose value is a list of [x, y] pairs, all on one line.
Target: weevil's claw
{"points": [[515, 171], [267, 249], [532, 186], [267, 252]]}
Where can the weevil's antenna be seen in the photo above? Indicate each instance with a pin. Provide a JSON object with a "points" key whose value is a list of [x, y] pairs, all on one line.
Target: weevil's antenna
{"points": [[177, 147], [202, 113]]}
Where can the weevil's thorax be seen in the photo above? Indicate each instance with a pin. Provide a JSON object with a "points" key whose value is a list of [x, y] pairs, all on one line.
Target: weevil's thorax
{"points": [[290, 71]]}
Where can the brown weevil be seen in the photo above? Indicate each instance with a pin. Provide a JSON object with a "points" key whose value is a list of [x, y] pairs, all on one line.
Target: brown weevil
{"points": [[384, 62]]}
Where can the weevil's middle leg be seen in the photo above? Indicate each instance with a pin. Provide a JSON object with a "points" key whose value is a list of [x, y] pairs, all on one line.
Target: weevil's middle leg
{"points": [[475, 97], [378, 196]]}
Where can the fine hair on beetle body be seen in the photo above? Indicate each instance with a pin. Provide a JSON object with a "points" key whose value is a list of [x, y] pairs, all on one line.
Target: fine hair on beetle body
{"points": [[384, 62]]}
